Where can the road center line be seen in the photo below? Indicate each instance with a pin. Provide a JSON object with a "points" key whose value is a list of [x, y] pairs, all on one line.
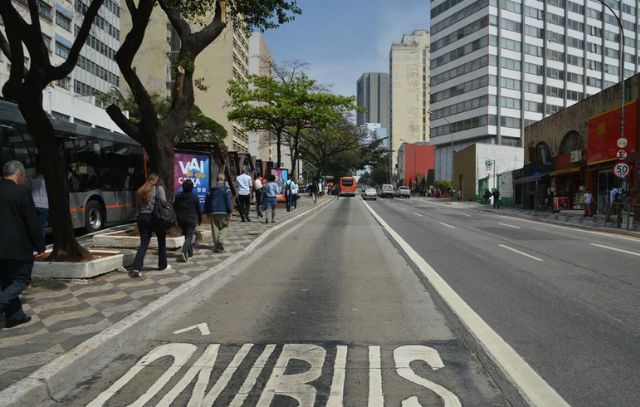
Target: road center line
{"points": [[521, 253], [417, 214], [615, 249], [535, 390], [464, 214], [447, 225], [509, 226]]}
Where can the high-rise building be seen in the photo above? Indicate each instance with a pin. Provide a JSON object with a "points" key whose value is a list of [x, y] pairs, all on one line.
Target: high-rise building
{"points": [[374, 95], [409, 69], [495, 70], [260, 63], [96, 72]]}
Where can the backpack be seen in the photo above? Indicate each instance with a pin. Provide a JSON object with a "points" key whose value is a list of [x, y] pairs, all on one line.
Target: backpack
{"points": [[163, 213]]}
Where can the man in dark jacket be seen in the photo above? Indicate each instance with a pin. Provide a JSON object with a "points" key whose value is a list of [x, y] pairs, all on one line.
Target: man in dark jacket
{"points": [[218, 206], [188, 214], [19, 234]]}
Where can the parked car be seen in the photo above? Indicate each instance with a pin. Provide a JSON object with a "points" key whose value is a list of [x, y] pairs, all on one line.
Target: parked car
{"points": [[403, 192], [370, 193], [387, 191]]}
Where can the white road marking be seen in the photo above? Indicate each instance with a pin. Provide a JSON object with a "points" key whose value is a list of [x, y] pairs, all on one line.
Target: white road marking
{"points": [[418, 214], [405, 355], [203, 327], [224, 380], [509, 226], [535, 390], [615, 249], [447, 225], [376, 397], [336, 396], [464, 214], [252, 378], [520, 253]]}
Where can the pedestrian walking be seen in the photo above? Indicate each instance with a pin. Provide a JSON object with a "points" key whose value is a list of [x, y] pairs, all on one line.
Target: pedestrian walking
{"points": [[189, 215], [613, 197], [19, 235], [270, 196], [148, 196], [487, 197], [288, 194], [41, 200], [295, 190], [336, 191], [588, 203], [496, 198], [258, 185], [218, 206], [314, 191], [243, 185]]}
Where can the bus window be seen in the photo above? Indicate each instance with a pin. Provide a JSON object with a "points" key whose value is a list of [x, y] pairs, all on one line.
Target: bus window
{"points": [[347, 186]]}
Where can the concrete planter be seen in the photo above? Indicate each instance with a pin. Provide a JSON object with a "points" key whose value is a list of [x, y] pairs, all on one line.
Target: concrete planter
{"points": [[86, 269], [117, 240]]}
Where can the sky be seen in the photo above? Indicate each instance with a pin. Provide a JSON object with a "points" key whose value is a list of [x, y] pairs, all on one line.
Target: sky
{"points": [[342, 39]]}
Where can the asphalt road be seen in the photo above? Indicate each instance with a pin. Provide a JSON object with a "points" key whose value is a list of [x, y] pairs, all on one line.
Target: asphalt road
{"points": [[333, 314], [566, 300]]}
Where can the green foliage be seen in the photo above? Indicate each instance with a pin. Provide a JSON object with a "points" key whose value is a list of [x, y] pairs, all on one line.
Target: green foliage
{"points": [[200, 128], [186, 63], [442, 184], [256, 14]]}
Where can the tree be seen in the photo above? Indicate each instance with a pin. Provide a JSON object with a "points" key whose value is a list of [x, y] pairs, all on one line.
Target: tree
{"points": [[25, 87], [285, 104], [158, 134]]}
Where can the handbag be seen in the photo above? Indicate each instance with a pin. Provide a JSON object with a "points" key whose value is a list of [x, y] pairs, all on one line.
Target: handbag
{"points": [[163, 213]]}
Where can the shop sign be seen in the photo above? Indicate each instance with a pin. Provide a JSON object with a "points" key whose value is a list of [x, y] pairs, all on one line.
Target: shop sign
{"points": [[622, 155], [576, 156], [621, 170]]}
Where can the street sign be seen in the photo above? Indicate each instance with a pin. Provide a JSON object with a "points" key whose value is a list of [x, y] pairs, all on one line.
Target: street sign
{"points": [[622, 155], [622, 143], [621, 170], [488, 163]]}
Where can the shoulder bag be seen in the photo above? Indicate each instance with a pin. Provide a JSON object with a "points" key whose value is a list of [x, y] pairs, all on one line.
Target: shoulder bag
{"points": [[163, 213]]}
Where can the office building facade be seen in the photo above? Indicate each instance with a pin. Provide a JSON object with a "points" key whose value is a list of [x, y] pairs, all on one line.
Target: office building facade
{"points": [[260, 63], [409, 70], [498, 66], [374, 95]]}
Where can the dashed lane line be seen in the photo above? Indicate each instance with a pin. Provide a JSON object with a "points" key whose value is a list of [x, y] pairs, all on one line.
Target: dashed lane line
{"points": [[535, 390], [615, 249], [418, 214], [509, 226], [447, 225], [520, 253]]}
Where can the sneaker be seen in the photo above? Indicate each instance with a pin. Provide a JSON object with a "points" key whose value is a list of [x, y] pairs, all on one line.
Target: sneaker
{"points": [[135, 273], [167, 267], [16, 322], [266, 220], [182, 258], [273, 221]]}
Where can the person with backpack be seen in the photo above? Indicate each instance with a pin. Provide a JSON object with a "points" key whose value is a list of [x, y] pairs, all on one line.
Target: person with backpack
{"points": [[288, 194], [189, 215], [218, 206], [270, 197], [150, 194]]}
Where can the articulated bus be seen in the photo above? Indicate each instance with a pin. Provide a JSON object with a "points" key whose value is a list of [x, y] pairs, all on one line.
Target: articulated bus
{"points": [[103, 168], [348, 186]]}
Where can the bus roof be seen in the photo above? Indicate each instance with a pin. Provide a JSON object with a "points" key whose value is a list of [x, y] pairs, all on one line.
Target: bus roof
{"points": [[9, 112]]}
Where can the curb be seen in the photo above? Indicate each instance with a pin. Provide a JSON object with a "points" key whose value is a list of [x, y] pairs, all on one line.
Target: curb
{"points": [[55, 379], [610, 231]]}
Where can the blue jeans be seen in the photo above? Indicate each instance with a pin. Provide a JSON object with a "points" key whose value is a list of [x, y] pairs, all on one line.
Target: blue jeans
{"points": [[43, 215], [14, 278], [146, 226]]}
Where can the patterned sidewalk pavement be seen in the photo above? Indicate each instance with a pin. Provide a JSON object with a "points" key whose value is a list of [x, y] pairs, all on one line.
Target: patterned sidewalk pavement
{"points": [[67, 312]]}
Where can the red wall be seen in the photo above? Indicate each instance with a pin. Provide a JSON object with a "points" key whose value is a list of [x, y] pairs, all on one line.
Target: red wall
{"points": [[418, 159], [604, 131]]}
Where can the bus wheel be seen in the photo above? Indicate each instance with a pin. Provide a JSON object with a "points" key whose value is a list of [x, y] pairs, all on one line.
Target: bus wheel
{"points": [[93, 216]]}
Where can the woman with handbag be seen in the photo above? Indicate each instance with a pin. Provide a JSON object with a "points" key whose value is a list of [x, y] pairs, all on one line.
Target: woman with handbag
{"points": [[149, 195]]}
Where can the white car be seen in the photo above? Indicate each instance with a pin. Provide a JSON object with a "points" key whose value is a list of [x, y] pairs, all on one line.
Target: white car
{"points": [[403, 192], [370, 193]]}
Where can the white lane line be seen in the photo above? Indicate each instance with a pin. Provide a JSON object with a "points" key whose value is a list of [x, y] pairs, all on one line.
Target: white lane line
{"points": [[535, 390], [418, 214], [615, 249], [509, 226], [376, 397], [336, 396], [464, 214], [521, 253], [447, 225]]}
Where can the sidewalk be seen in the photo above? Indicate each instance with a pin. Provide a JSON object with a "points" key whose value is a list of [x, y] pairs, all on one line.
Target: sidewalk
{"points": [[67, 312], [571, 218]]}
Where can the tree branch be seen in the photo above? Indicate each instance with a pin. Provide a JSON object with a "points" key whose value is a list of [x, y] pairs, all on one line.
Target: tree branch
{"points": [[63, 70], [15, 29], [4, 46], [175, 17], [126, 125], [131, 5]]}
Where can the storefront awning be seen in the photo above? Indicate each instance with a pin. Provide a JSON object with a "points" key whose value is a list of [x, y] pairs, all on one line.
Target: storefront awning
{"points": [[565, 171]]}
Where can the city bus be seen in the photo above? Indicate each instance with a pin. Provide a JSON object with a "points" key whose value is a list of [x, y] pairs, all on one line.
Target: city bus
{"points": [[103, 168], [348, 186]]}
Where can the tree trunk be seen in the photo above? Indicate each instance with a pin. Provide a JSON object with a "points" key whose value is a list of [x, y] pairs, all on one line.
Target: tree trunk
{"points": [[278, 150], [65, 245]]}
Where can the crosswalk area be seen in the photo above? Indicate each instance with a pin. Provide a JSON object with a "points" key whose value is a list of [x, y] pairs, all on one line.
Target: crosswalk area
{"points": [[295, 374]]}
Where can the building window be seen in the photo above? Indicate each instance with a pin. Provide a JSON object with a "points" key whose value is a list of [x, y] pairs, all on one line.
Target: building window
{"points": [[45, 10], [62, 50], [63, 21]]}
